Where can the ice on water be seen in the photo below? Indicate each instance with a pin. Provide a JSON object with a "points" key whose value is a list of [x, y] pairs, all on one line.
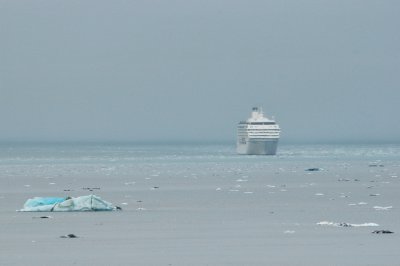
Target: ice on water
{"points": [[212, 187]]}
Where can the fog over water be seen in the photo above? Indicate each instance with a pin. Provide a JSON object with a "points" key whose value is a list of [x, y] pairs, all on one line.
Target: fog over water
{"points": [[190, 70]]}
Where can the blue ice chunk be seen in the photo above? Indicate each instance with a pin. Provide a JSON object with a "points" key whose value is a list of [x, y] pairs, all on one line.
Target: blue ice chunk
{"points": [[38, 201], [82, 203]]}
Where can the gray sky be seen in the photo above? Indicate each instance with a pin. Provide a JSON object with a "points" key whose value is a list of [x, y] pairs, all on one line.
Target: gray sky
{"points": [[190, 70]]}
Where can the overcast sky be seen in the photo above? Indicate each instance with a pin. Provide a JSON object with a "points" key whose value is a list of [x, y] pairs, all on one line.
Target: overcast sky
{"points": [[329, 71]]}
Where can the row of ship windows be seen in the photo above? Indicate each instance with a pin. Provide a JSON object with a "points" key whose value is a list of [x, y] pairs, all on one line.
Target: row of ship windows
{"points": [[256, 127], [257, 123], [258, 131], [261, 136], [264, 128]]}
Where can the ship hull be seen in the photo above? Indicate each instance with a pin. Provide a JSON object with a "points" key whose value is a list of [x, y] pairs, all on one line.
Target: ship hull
{"points": [[258, 147]]}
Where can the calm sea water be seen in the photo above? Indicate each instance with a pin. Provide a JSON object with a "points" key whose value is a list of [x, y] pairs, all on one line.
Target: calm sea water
{"points": [[133, 159], [207, 204], [184, 153]]}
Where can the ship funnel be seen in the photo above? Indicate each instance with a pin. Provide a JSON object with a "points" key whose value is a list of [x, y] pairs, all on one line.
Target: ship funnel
{"points": [[256, 113]]}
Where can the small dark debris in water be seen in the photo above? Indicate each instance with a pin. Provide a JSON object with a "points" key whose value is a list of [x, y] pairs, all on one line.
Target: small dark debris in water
{"points": [[375, 165], [382, 232], [156, 187], [118, 208], [43, 217], [91, 188], [139, 201], [343, 180], [69, 236], [356, 180], [344, 225], [373, 195], [313, 169], [67, 190]]}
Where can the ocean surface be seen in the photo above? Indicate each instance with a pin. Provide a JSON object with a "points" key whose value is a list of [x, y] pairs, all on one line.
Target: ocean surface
{"points": [[202, 204], [124, 157]]}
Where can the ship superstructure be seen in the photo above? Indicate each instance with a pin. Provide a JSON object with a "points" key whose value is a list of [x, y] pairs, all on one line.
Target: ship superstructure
{"points": [[258, 135]]}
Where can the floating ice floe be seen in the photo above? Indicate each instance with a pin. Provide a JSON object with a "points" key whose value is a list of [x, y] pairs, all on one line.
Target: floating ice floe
{"points": [[83, 203], [379, 208], [289, 232], [360, 203], [326, 223]]}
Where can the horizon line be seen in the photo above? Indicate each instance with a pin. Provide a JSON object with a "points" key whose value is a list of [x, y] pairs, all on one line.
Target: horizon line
{"points": [[196, 141]]}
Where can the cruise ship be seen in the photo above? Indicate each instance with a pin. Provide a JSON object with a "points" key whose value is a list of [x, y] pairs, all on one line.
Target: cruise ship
{"points": [[258, 135]]}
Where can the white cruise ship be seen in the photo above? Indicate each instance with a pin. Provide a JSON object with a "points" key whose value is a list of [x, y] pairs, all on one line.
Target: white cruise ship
{"points": [[258, 135]]}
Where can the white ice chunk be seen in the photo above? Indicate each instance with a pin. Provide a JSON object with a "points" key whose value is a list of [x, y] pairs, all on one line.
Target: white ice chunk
{"points": [[379, 208], [326, 223]]}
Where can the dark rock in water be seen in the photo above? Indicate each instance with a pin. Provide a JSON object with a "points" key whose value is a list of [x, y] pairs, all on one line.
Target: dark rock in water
{"points": [[313, 169], [382, 232], [69, 236], [118, 208]]}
